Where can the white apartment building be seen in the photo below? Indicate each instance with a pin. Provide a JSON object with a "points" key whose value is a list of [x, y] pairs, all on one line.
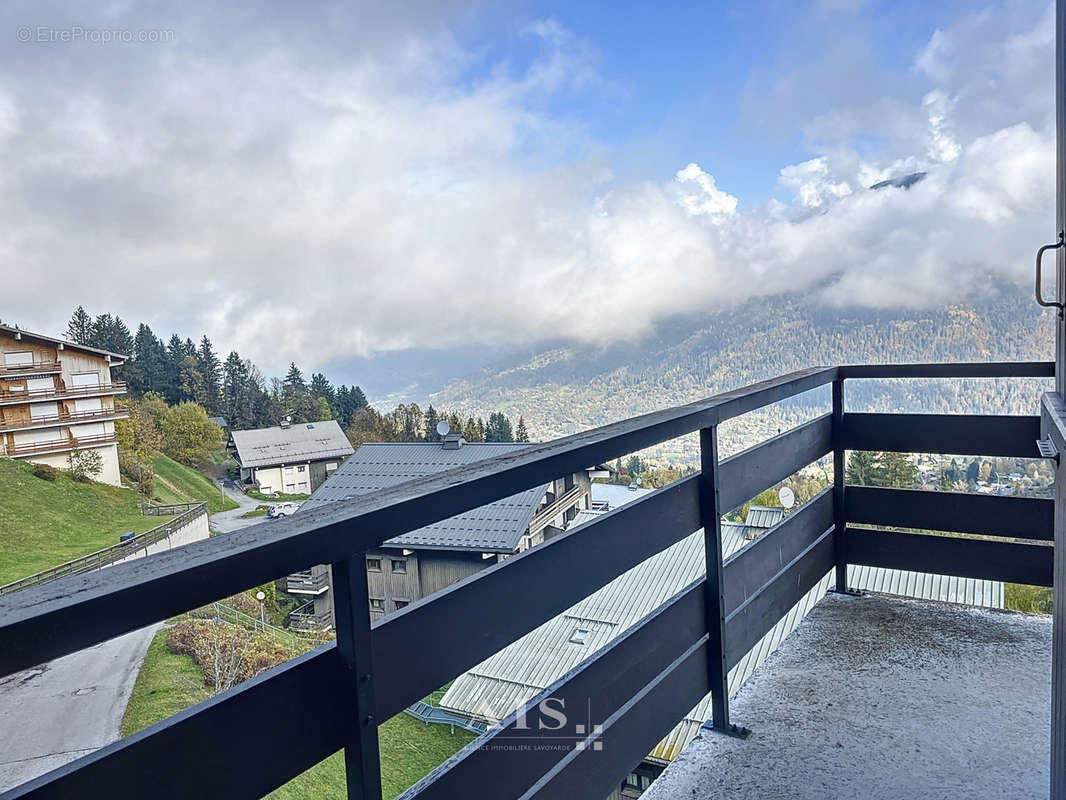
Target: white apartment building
{"points": [[57, 396]]}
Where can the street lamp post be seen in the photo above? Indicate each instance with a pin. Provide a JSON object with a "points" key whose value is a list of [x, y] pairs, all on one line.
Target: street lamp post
{"points": [[261, 596]]}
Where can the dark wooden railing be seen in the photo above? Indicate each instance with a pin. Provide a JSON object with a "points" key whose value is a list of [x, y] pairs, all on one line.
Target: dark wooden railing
{"points": [[638, 686]]}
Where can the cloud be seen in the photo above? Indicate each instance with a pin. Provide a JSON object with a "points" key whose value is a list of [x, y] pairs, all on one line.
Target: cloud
{"points": [[314, 192]]}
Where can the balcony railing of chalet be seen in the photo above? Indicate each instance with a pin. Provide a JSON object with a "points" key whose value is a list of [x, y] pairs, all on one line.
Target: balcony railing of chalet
{"points": [[638, 686], [33, 366], [547, 515], [63, 443], [62, 418], [304, 618], [8, 396], [307, 580]]}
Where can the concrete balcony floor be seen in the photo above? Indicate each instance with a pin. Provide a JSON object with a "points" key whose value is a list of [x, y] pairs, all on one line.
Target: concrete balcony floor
{"points": [[881, 697]]}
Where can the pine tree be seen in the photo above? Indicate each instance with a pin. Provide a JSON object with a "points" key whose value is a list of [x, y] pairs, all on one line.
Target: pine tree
{"points": [[79, 329], [110, 333], [499, 428], [864, 468], [147, 369], [236, 405], [520, 433], [898, 471], [192, 382], [471, 432], [321, 387], [358, 398], [431, 420], [211, 371], [175, 355]]}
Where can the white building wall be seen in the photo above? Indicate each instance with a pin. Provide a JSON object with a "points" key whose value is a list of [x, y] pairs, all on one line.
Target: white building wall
{"points": [[109, 473]]}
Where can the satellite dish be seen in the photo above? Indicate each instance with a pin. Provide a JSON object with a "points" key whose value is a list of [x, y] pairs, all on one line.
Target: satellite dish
{"points": [[786, 496], [443, 428]]}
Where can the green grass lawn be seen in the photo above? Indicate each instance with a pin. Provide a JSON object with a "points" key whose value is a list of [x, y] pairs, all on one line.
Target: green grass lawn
{"points": [[409, 750], [45, 523], [255, 512], [186, 485], [166, 684], [169, 683]]}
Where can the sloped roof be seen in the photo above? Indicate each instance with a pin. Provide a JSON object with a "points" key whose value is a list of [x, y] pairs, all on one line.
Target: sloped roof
{"points": [[302, 441], [764, 516], [40, 337], [496, 527], [492, 689], [615, 495]]}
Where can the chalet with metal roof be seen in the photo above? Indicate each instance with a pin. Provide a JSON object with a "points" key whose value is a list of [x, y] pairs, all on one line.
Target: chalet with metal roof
{"points": [[423, 561], [291, 458]]}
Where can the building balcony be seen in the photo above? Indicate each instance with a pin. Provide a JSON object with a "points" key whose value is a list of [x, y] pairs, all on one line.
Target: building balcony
{"points": [[885, 697], [8, 398], [310, 621], [42, 367], [59, 445], [64, 418], [941, 668], [307, 582]]}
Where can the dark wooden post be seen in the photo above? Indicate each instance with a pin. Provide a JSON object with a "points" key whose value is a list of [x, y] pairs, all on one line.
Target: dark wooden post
{"points": [[839, 545], [711, 517], [351, 612]]}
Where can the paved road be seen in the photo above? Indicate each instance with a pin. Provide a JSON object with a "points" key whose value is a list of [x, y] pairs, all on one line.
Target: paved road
{"points": [[66, 708], [226, 521]]}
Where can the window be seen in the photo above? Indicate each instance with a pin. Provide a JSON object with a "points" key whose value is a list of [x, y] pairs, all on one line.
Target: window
{"points": [[302, 468], [373, 564], [579, 635], [288, 470], [85, 379], [400, 604], [332, 465], [290, 488], [17, 387], [399, 565], [377, 604], [18, 359]]}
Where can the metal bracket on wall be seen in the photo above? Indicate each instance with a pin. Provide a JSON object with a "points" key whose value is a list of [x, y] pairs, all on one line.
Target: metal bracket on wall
{"points": [[736, 731], [1047, 449], [850, 592]]}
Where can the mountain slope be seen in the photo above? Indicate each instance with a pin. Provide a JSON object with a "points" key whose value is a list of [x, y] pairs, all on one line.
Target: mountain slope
{"points": [[568, 388]]}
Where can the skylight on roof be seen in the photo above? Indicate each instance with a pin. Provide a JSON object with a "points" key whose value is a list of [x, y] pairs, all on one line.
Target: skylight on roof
{"points": [[579, 635]]}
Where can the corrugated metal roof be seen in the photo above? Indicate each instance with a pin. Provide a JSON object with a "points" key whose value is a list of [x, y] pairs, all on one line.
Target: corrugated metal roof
{"points": [[303, 441], [615, 495], [764, 516], [496, 527], [494, 687]]}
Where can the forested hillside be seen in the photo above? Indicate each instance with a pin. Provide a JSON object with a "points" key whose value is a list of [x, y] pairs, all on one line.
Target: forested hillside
{"points": [[570, 388]]}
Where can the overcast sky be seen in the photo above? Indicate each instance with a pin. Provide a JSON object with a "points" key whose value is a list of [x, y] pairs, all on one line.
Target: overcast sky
{"points": [[314, 181]]}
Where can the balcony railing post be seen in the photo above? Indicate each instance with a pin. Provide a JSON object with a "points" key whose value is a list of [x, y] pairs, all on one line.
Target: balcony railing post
{"points": [[839, 526], [711, 517], [351, 611]]}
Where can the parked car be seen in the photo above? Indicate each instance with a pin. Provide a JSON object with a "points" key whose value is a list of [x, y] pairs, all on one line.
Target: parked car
{"points": [[282, 510]]}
